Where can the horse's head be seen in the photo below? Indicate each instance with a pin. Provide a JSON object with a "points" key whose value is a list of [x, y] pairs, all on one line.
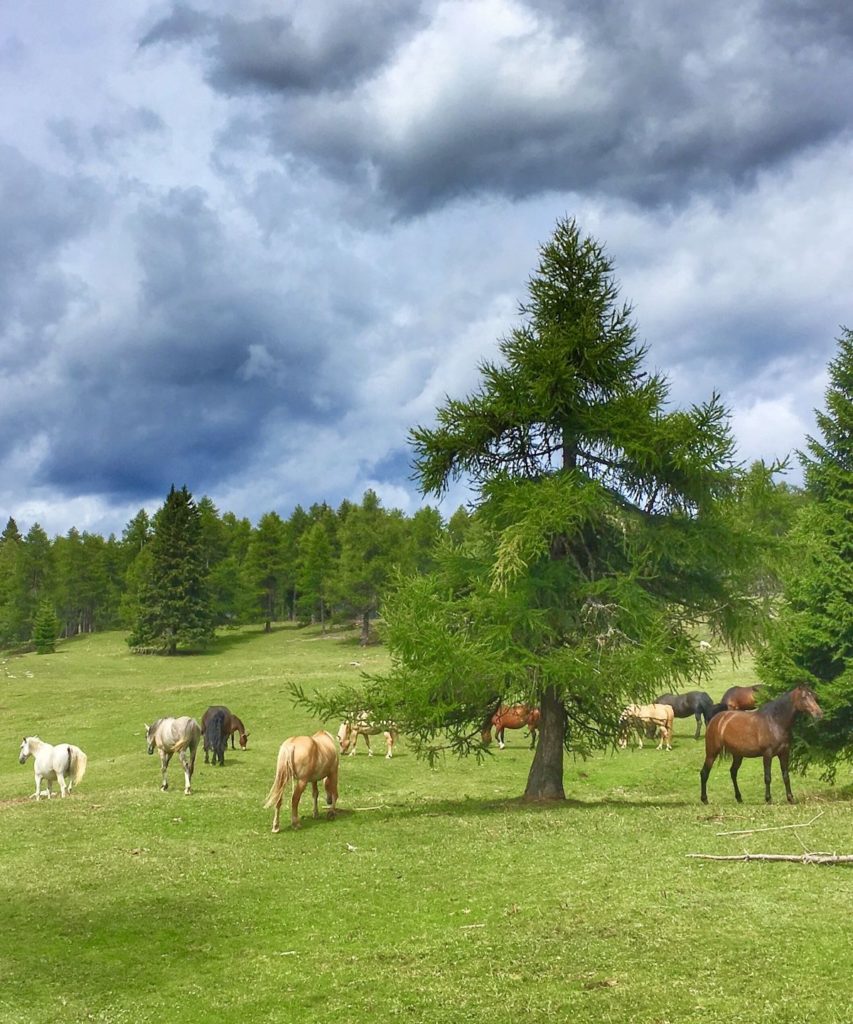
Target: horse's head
{"points": [[805, 700], [150, 735], [25, 750], [344, 736], [244, 740]]}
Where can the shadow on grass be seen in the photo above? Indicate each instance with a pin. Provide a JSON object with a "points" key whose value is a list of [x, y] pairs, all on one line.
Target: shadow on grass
{"points": [[489, 807]]}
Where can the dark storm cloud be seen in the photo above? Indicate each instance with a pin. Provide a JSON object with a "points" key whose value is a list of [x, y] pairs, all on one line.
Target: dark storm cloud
{"points": [[40, 212], [658, 102], [193, 380], [341, 44]]}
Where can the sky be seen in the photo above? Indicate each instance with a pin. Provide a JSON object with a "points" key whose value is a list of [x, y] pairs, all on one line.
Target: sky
{"points": [[247, 247]]}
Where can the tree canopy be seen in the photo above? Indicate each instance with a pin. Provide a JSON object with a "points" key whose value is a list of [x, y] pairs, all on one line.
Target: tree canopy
{"points": [[812, 639], [605, 529]]}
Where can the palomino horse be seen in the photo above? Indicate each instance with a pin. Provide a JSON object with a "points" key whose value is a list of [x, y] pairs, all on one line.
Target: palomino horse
{"points": [[61, 762], [361, 725], [214, 735], [512, 716], [696, 702], [304, 759], [175, 736], [232, 725], [765, 733], [637, 716]]}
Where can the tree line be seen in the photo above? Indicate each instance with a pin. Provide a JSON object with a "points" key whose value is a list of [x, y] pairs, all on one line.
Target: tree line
{"points": [[174, 576]]}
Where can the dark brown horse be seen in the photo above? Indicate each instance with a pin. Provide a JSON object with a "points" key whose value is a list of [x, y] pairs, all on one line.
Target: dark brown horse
{"points": [[512, 716], [231, 725], [765, 733]]}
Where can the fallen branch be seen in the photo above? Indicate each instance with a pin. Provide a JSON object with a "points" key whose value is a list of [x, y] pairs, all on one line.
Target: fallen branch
{"points": [[805, 858], [770, 828]]}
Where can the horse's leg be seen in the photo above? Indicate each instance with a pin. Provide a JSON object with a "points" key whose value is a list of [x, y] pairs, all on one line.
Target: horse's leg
{"points": [[698, 732], [499, 736], [37, 794], [704, 772], [164, 765], [768, 764], [736, 763], [298, 790], [367, 741], [783, 764], [206, 751], [186, 761], [331, 786], [532, 733], [389, 744], [62, 786], [315, 793]]}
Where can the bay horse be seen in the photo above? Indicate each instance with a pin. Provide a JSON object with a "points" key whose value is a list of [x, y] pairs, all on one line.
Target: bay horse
{"points": [[214, 735], [736, 698], [304, 759], [362, 725], [175, 736], [695, 702], [512, 716], [638, 716], [765, 733], [51, 763], [232, 725]]}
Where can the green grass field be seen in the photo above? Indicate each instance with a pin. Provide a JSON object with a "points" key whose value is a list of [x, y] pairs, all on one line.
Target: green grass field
{"points": [[436, 895]]}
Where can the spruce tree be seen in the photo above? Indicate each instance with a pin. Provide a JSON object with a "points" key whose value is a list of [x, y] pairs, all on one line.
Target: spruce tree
{"points": [[45, 629], [174, 605], [812, 638], [604, 531]]}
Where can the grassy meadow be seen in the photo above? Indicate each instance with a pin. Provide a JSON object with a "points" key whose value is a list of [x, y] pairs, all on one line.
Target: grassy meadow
{"points": [[436, 895]]}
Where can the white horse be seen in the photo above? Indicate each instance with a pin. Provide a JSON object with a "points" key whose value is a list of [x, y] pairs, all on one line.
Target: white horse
{"points": [[175, 736], [361, 725], [63, 762]]}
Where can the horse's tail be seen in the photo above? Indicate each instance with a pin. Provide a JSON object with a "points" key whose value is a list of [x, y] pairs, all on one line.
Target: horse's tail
{"points": [[77, 762], [283, 774], [214, 730]]}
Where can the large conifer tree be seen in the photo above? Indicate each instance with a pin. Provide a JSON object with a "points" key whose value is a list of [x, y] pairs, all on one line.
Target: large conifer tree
{"points": [[603, 533], [174, 602], [812, 639]]}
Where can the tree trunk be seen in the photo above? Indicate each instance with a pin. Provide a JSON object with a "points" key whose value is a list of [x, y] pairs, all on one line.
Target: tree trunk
{"points": [[365, 629], [545, 781]]}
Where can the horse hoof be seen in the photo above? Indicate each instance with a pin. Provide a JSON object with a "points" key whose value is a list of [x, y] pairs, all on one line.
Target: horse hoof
{"points": [[275, 830]]}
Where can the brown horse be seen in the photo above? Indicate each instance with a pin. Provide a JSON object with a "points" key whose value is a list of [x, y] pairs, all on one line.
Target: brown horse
{"points": [[304, 759], [512, 716], [766, 733], [232, 725]]}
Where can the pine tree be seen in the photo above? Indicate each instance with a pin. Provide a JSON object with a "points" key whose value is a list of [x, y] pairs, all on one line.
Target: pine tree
{"points": [[812, 639], [174, 601], [605, 529], [317, 563], [266, 568], [45, 629]]}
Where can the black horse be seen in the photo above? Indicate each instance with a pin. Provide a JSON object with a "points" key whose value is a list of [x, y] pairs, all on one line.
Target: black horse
{"points": [[215, 736], [683, 705]]}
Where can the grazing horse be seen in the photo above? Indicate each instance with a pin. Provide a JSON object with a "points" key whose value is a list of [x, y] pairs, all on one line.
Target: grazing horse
{"points": [[696, 702], [637, 716], [304, 759], [232, 725], [50, 763], [512, 716], [361, 725], [766, 733], [175, 736], [214, 735]]}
